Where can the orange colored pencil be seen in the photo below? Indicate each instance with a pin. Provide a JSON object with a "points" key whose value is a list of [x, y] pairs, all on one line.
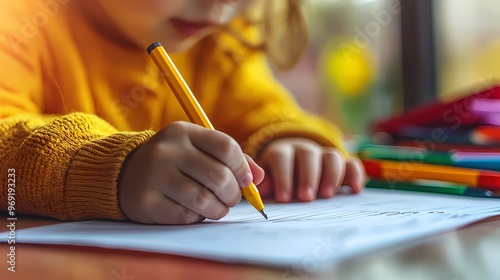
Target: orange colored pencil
{"points": [[406, 171]]}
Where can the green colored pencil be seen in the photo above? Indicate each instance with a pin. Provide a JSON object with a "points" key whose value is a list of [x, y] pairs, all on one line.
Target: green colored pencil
{"points": [[453, 189]]}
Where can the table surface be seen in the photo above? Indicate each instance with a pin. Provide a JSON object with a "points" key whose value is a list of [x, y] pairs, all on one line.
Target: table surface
{"points": [[472, 252]]}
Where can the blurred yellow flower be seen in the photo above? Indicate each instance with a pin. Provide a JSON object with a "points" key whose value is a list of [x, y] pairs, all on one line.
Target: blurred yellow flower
{"points": [[349, 66]]}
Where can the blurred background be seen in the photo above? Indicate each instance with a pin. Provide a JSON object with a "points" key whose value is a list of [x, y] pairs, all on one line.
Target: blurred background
{"points": [[369, 59], [468, 44]]}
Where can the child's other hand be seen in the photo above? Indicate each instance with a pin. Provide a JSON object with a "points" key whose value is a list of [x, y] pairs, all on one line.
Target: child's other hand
{"points": [[184, 174], [302, 168]]}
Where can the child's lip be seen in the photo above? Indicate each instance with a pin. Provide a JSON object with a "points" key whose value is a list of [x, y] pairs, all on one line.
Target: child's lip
{"points": [[190, 28]]}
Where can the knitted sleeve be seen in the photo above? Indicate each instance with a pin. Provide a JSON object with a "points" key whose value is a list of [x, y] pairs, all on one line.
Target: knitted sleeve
{"points": [[65, 167]]}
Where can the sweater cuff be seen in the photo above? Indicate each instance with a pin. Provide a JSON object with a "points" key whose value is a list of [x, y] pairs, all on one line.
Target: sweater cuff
{"points": [[328, 137], [91, 188]]}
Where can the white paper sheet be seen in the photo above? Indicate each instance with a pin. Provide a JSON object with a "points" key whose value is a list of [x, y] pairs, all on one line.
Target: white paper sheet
{"points": [[299, 235]]}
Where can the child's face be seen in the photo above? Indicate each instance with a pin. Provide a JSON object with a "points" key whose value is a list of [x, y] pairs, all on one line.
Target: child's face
{"points": [[177, 24]]}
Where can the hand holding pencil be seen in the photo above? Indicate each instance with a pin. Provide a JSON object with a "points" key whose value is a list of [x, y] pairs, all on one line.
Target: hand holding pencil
{"points": [[184, 174], [196, 114]]}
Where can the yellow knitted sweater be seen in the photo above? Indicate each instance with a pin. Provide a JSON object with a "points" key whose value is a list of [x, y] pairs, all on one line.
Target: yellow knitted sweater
{"points": [[74, 104]]}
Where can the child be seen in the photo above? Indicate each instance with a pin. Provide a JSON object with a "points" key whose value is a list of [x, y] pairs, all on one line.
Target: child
{"points": [[90, 129]]}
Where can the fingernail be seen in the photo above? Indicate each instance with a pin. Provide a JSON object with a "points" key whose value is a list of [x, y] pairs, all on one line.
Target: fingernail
{"points": [[248, 179], [310, 193], [285, 195], [330, 191]]}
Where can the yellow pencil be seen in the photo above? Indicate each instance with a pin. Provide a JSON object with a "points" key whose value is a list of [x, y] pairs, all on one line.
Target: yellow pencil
{"points": [[193, 109]]}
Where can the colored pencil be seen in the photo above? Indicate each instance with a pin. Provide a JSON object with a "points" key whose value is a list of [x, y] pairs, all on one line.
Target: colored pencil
{"points": [[430, 188], [405, 171], [476, 160]]}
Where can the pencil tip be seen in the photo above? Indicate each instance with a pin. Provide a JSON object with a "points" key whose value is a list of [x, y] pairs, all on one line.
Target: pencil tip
{"points": [[263, 213]]}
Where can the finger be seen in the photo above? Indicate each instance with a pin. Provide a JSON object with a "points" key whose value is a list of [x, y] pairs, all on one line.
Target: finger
{"points": [[226, 150], [355, 175], [309, 163], [257, 172], [213, 175], [280, 163], [332, 175], [165, 211], [265, 187], [190, 194]]}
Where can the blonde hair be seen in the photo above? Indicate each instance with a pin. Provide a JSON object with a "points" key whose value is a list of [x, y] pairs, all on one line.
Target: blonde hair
{"points": [[285, 32], [283, 29]]}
